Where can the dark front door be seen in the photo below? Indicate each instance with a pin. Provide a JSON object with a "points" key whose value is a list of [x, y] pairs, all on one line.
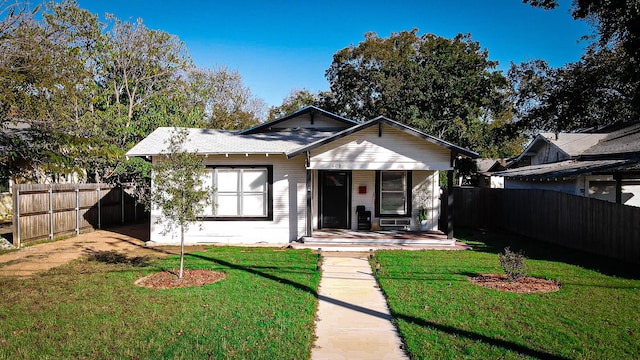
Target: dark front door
{"points": [[335, 199]]}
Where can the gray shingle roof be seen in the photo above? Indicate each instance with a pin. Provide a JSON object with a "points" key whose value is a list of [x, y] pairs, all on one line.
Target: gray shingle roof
{"points": [[569, 169], [622, 141], [573, 144], [207, 141]]}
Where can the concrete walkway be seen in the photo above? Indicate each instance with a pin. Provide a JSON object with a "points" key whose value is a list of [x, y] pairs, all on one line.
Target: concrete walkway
{"points": [[353, 320]]}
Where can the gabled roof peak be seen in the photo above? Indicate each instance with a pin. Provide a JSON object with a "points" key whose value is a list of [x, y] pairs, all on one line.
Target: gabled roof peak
{"points": [[310, 109]]}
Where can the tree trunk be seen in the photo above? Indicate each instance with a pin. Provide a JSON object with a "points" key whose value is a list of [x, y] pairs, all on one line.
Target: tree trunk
{"points": [[181, 251]]}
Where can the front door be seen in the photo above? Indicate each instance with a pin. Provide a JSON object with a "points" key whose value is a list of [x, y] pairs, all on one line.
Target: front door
{"points": [[335, 199]]}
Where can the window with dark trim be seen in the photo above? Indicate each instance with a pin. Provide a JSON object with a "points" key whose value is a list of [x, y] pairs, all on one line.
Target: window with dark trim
{"points": [[241, 193], [393, 193]]}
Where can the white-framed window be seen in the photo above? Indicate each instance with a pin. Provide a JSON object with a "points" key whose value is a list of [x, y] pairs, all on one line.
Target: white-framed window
{"points": [[393, 194], [241, 193]]}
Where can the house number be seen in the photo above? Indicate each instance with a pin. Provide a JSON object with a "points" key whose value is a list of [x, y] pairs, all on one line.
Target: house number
{"points": [[335, 166]]}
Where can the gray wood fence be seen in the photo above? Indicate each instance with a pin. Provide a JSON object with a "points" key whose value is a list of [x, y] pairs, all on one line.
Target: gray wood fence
{"points": [[591, 225], [43, 211]]}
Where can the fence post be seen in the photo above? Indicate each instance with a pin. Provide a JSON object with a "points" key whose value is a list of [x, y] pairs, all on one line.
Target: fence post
{"points": [[135, 206], [77, 210], [99, 198], [122, 204], [16, 215], [50, 212]]}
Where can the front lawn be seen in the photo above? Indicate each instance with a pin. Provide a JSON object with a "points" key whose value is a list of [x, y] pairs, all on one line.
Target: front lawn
{"points": [[442, 315], [264, 309]]}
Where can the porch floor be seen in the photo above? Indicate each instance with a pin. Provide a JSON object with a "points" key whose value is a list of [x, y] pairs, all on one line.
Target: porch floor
{"points": [[351, 240]]}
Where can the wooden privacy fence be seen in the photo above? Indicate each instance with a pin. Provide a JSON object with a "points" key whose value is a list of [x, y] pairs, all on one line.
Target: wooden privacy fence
{"points": [[591, 225], [48, 210]]}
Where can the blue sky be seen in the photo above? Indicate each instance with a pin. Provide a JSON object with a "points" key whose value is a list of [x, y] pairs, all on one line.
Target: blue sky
{"points": [[278, 46]]}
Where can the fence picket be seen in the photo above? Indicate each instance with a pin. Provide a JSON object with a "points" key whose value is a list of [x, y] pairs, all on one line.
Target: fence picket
{"points": [[42, 211]]}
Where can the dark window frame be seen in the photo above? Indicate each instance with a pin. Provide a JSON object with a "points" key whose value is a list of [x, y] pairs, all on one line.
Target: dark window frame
{"points": [[409, 185], [269, 216]]}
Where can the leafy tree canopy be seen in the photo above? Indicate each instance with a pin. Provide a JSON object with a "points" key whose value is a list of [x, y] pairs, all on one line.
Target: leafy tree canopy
{"points": [[602, 88], [83, 91], [445, 87]]}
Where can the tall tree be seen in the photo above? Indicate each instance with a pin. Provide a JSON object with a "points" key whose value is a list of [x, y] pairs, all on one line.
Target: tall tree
{"points": [[446, 87], [296, 100], [603, 87], [224, 101], [45, 72], [178, 190]]}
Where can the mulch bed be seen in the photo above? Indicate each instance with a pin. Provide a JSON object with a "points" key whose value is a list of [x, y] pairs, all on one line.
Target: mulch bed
{"points": [[169, 279], [523, 285]]}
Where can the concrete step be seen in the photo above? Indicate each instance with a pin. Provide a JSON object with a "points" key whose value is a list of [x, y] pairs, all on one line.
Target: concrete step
{"points": [[374, 242]]}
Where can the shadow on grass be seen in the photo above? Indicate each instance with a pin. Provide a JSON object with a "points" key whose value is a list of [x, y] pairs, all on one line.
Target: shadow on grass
{"points": [[114, 257], [446, 329], [495, 242], [257, 271]]}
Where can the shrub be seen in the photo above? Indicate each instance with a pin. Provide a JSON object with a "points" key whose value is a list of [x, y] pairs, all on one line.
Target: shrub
{"points": [[512, 263]]}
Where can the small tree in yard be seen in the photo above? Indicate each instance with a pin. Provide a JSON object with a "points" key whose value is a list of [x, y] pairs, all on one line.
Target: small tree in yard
{"points": [[512, 263], [177, 188]]}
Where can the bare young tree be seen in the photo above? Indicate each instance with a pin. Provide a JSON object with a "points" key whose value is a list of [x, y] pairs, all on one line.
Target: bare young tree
{"points": [[178, 190]]}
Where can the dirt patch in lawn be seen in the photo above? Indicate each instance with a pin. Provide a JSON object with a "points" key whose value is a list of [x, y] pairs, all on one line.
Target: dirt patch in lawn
{"points": [[170, 280], [523, 285]]}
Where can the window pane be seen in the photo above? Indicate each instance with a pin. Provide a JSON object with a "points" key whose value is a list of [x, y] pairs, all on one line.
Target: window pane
{"points": [[253, 205], [393, 181], [207, 183], [392, 203], [254, 180], [227, 180], [227, 205]]}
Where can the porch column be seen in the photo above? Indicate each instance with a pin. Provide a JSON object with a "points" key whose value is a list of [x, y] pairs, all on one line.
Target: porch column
{"points": [[309, 193], [450, 196], [450, 204]]}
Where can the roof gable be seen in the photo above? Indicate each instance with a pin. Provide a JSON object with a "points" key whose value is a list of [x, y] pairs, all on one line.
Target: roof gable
{"points": [[307, 117], [379, 121]]}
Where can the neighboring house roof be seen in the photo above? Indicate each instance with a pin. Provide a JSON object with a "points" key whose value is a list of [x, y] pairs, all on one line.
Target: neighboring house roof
{"points": [[625, 141], [486, 166], [207, 141], [569, 169], [616, 152], [379, 121], [305, 110], [571, 144]]}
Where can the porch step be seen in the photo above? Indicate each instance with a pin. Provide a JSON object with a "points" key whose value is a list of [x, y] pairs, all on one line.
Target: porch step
{"points": [[364, 241]]}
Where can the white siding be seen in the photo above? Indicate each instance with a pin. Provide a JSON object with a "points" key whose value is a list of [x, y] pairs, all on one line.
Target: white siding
{"points": [[368, 179], [395, 150], [304, 121], [426, 193], [289, 204]]}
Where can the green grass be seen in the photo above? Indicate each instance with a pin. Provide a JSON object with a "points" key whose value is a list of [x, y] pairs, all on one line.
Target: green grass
{"points": [[441, 315], [264, 309]]}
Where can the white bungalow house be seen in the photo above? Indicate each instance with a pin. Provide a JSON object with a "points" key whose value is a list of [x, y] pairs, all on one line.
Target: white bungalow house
{"points": [[282, 180]]}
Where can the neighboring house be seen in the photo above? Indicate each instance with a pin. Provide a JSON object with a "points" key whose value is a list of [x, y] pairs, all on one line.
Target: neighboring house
{"points": [[603, 165], [485, 170], [284, 179]]}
